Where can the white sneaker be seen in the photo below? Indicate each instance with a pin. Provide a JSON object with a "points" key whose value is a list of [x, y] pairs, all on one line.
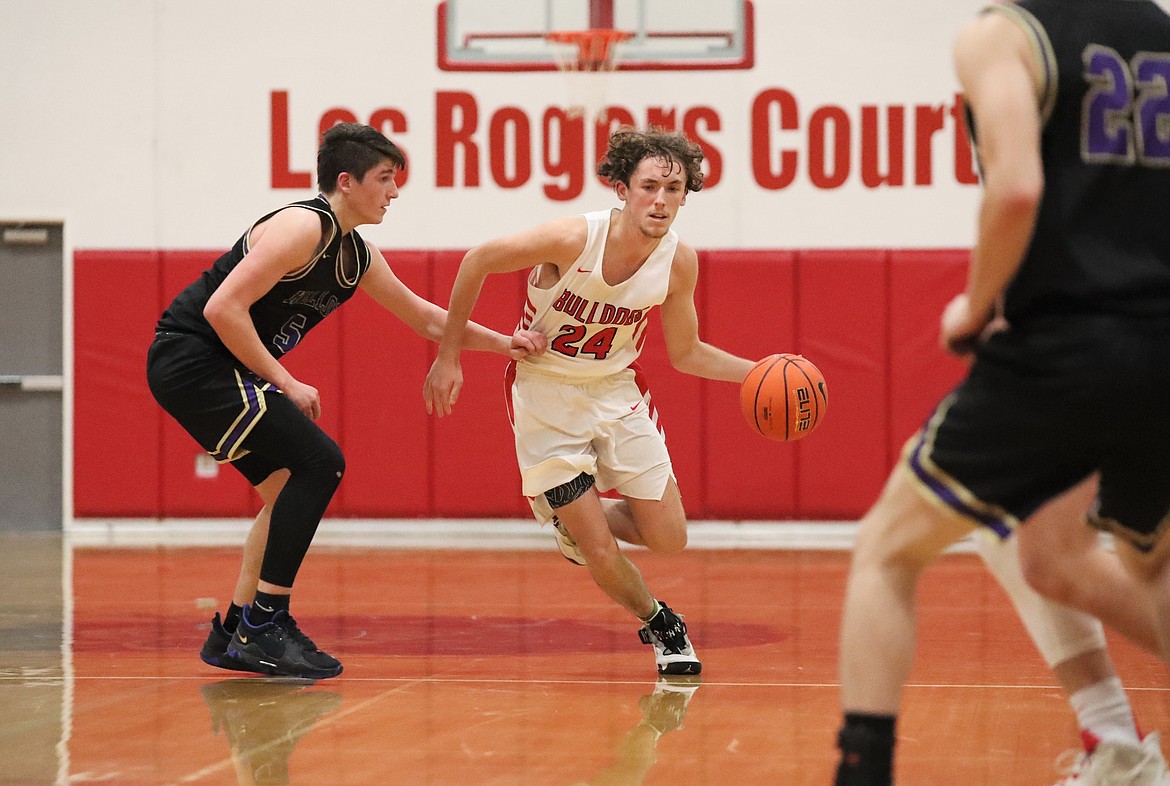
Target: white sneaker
{"points": [[673, 651], [566, 544], [1114, 763]]}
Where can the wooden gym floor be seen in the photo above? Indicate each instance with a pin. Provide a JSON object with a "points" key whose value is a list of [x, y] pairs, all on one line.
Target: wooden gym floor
{"points": [[477, 668]]}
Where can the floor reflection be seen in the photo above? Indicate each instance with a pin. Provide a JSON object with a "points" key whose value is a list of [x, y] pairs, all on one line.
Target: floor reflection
{"points": [[262, 720], [663, 710]]}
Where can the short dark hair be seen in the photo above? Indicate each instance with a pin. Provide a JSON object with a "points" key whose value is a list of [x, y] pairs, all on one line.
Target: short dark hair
{"points": [[353, 148], [628, 147]]}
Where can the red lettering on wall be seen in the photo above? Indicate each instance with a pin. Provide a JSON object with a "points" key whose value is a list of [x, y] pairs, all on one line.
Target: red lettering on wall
{"points": [[928, 120], [282, 174], [964, 159], [767, 176], [871, 174], [825, 145], [451, 138], [826, 120], [567, 165], [829, 143], [662, 117], [510, 140], [707, 118]]}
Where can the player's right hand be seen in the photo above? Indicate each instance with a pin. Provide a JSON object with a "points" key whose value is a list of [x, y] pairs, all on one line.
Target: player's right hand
{"points": [[442, 386], [306, 398]]}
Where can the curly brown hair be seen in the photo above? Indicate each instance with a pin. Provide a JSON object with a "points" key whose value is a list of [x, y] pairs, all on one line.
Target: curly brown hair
{"points": [[629, 146]]}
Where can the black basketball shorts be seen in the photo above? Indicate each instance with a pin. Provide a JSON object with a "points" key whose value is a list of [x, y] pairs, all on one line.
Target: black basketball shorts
{"points": [[1043, 408], [216, 400]]}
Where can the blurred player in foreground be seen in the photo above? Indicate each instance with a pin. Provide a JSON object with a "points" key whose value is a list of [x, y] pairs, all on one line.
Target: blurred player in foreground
{"points": [[1069, 115]]}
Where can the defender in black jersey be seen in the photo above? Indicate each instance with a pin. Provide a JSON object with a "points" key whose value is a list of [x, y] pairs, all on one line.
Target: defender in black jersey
{"points": [[1067, 314], [215, 367]]}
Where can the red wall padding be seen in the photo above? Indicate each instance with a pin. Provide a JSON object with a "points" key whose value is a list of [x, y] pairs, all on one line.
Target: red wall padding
{"points": [[920, 372], [678, 399], [475, 470], [867, 318], [116, 422], [749, 309], [385, 431], [183, 492], [842, 321]]}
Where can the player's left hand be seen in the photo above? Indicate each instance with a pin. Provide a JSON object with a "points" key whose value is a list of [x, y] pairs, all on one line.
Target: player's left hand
{"points": [[527, 342]]}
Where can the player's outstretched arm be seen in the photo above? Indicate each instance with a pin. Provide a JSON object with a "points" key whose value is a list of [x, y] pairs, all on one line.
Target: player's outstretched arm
{"points": [[429, 320], [558, 242]]}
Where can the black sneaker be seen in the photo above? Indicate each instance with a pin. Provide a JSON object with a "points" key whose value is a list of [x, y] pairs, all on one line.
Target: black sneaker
{"points": [[264, 719], [672, 649], [214, 652], [280, 648]]}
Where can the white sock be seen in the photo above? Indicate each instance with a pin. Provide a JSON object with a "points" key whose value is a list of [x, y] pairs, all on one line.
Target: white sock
{"points": [[1103, 710]]}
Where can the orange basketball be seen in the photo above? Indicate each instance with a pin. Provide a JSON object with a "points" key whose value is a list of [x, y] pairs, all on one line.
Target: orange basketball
{"points": [[784, 397]]}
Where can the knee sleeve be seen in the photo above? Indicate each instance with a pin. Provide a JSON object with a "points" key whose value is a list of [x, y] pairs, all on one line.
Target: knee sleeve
{"points": [[565, 493], [1059, 632], [313, 479], [326, 463]]}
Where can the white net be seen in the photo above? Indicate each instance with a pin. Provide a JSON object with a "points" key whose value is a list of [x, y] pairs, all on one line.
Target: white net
{"points": [[587, 59]]}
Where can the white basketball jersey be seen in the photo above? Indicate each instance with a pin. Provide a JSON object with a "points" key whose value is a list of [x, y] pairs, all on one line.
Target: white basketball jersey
{"points": [[595, 329]]}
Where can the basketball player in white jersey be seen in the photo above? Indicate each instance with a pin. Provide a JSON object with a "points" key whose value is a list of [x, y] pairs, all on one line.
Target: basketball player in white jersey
{"points": [[581, 412]]}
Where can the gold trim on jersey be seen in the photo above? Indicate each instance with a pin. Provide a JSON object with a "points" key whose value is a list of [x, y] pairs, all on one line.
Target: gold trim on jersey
{"points": [[343, 281], [1041, 48], [357, 261], [307, 268]]}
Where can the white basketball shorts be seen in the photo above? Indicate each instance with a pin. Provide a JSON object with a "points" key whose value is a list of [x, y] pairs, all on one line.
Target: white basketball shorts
{"points": [[606, 427]]}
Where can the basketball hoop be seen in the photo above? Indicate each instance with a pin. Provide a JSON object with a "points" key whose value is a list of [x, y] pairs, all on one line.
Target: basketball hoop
{"points": [[586, 58]]}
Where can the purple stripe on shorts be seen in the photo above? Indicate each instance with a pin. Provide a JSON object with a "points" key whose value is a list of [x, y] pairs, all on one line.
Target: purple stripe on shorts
{"points": [[944, 492], [252, 411]]}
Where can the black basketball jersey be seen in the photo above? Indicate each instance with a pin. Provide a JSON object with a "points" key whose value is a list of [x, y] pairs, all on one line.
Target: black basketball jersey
{"points": [[298, 302], [1102, 238]]}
